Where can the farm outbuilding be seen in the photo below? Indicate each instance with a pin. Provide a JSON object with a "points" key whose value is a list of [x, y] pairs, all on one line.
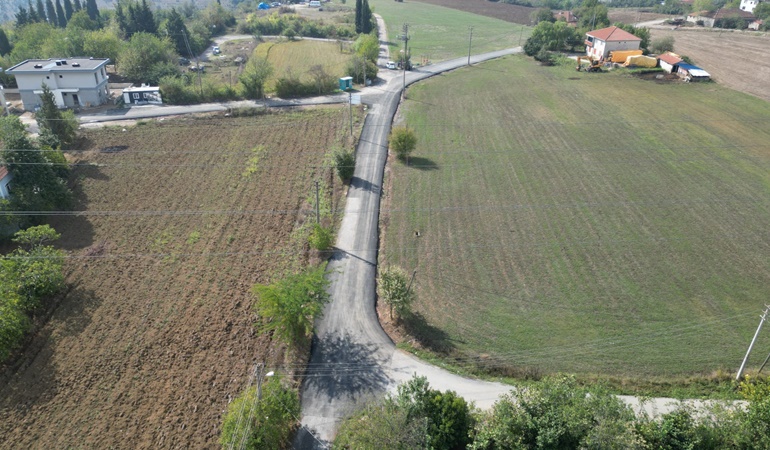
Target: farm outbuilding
{"points": [[142, 95], [599, 43], [692, 73], [640, 61], [669, 62]]}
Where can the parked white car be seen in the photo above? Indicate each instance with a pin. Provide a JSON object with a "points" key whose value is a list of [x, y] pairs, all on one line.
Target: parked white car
{"points": [[390, 65]]}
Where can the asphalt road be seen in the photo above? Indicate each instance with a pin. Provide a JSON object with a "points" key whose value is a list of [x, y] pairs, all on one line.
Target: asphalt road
{"points": [[352, 359]]}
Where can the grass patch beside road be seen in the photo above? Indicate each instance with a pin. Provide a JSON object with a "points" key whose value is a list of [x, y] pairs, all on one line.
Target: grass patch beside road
{"points": [[590, 223], [440, 33]]}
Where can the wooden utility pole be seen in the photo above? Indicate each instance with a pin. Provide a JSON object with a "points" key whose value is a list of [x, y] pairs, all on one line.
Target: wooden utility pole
{"points": [[470, 41], [762, 318], [317, 204]]}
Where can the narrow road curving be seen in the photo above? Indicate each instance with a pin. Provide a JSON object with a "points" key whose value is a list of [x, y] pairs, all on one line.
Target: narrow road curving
{"points": [[352, 359]]}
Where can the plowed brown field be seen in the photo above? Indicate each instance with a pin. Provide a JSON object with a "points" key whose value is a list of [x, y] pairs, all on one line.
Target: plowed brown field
{"points": [[502, 11], [155, 334]]}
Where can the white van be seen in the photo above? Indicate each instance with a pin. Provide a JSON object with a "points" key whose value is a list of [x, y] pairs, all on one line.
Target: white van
{"points": [[314, 4], [390, 65]]}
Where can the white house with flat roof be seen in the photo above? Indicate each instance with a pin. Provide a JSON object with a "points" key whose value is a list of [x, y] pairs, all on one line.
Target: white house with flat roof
{"points": [[74, 82]]}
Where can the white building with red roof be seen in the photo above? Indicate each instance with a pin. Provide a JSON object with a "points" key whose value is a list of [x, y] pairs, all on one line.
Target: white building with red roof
{"points": [[669, 61], [599, 43], [5, 180]]}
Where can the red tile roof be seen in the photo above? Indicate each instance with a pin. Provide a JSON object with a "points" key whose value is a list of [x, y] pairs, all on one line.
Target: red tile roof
{"points": [[670, 58], [3, 172], [613, 34]]}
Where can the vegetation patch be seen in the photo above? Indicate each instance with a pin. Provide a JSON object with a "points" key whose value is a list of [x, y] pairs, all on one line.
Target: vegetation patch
{"points": [[584, 227]]}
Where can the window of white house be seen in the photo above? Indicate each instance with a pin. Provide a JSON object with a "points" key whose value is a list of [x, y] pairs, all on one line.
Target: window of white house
{"points": [[96, 79], [136, 96]]}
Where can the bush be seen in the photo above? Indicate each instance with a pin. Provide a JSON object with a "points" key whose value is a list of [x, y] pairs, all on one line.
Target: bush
{"points": [[344, 163], [662, 45], [255, 421], [321, 238], [403, 141], [393, 288]]}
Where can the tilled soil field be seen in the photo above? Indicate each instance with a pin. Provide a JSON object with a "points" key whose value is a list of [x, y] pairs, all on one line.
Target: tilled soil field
{"points": [[738, 60], [502, 11], [155, 334]]}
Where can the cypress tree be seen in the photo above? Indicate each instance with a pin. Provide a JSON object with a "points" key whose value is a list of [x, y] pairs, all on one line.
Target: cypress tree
{"points": [[176, 30], [40, 11], [78, 6], [68, 9], [50, 13], [93, 11], [366, 18], [61, 19], [358, 15], [147, 20]]}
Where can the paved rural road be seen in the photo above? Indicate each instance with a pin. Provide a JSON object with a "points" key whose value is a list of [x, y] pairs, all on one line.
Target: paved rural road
{"points": [[353, 359]]}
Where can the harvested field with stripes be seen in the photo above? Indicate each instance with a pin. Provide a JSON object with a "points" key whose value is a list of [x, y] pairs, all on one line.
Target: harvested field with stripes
{"points": [[598, 224]]}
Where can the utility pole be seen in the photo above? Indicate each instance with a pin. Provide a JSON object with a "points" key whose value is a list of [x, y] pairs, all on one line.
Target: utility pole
{"points": [[470, 41], [762, 318], [521, 33], [409, 288], [350, 112], [406, 56], [197, 62], [317, 204]]}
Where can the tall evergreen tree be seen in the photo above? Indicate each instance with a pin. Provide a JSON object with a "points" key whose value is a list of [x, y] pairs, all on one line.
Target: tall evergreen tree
{"points": [[22, 17], [50, 13], [61, 19], [147, 20], [68, 11], [77, 5], [41, 11], [366, 18], [359, 6], [93, 11], [177, 30], [5, 46]]}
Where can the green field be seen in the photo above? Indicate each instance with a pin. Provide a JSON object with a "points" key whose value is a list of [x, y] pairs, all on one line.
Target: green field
{"points": [[439, 33], [587, 223], [298, 57]]}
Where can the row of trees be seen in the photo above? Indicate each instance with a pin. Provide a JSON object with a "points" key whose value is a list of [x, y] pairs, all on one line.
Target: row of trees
{"points": [[555, 413], [58, 15]]}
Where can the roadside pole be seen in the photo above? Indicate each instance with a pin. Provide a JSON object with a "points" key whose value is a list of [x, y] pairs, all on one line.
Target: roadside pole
{"points": [[470, 41], [762, 318]]}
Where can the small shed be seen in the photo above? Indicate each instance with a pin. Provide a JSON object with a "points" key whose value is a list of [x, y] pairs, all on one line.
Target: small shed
{"points": [[5, 181], [346, 83], [692, 73], [142, 95], [669, 62]]}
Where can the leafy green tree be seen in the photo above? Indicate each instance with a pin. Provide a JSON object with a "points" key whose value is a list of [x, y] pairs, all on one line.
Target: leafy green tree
{"points": [[344, 163], [147, 58], [703, 5], [357, 64], [80, 20], [49, 117], [393, 288], [663, 45], [592, 15], [257, 420], [403, 141], [367, 46], [542, 15], [554, 36], [36, 186], [762, 11], [36, 268], [288, 307], [13, 322], [383, 425], [102, 43], [557, 413], [29, 41], [254, 76]]}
